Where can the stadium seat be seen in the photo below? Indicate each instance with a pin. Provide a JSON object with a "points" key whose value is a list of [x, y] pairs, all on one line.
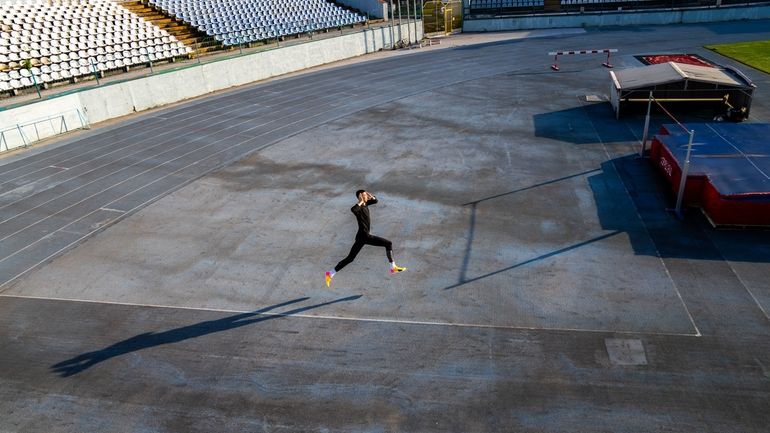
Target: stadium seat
{"points": [[62, 37]]}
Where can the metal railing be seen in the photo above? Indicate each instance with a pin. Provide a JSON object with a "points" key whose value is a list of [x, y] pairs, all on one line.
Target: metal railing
{"points": [[530, 7], [26, 133]]}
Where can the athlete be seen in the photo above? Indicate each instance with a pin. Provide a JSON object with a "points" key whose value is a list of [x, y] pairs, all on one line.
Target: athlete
{"points": [[363, 237]]}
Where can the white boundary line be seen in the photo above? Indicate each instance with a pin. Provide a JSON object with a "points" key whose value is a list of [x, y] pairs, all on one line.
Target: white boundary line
{"points": [[641, 220], [395, 85], [357, 319], [738, 276], [738, 150]]}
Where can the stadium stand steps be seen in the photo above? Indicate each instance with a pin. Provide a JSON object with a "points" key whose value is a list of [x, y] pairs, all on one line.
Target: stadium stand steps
{"points": [[185, 33]]}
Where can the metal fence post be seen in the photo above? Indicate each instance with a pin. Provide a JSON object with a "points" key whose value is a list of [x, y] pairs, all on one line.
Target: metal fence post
{"points": [[408, 25], [34, 80], [400, 36], [392, 46], [683, 180], [83, 121], [23, 137], [646, 127], [93, 68]]}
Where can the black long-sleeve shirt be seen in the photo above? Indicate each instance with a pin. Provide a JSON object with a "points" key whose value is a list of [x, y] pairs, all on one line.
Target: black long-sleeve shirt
{"points": [[362, 216]]}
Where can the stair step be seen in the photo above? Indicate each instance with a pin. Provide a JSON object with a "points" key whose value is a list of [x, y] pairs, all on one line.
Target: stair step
{"points": [[182, 31]]}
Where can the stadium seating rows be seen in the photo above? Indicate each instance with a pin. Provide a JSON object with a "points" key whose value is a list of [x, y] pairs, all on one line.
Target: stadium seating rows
{"points": [[234, 22], [61, 39]]}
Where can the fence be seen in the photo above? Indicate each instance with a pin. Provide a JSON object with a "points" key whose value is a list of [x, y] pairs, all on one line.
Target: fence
{"points": [[24, 134], [442, 17], [533, 7]]}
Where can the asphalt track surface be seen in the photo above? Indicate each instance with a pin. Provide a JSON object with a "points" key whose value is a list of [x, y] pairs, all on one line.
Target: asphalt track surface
{"points": [[687, 349]]}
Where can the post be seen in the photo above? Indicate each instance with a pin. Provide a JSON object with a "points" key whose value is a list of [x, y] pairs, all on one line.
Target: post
{"points": [[152, 71], [93, 68], [400, 37], [414, 4], [408, 25], [198, 51], [683, 180], [240, 46], [83, 121], [646, 127], [607, 64], [23, 137], [392, 46], [34, 80]]}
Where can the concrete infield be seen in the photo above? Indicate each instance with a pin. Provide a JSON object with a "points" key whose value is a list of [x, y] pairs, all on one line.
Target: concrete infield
{"points": [[175, 282]]}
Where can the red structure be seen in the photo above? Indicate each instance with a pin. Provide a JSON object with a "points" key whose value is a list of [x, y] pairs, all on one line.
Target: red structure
{"points": [[729, 174], [689, 59]]}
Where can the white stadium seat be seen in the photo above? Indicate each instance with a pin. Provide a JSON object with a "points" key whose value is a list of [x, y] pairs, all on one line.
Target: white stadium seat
{"points": [[60, 35]]}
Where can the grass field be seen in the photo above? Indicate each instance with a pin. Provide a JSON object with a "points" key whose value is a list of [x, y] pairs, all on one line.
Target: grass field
{"points": [[755, 54]]}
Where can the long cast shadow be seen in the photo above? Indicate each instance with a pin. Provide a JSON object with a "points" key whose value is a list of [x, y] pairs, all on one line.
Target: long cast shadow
{"points": [[143, 341], [535, 259], [463, 277]]}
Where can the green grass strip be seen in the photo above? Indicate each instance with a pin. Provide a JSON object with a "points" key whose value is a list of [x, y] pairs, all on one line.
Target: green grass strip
{"points": [[755, 54]]}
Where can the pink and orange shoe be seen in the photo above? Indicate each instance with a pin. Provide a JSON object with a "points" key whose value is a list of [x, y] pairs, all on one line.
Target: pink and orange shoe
{"points": [[328, 279], [396, 269]]}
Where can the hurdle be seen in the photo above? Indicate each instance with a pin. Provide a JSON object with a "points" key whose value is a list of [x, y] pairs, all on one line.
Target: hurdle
{"points": [[556, 55]]}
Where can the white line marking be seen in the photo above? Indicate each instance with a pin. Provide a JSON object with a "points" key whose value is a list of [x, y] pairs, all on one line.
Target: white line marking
{"points": [[111, 210], [205, 146], [186, 110], [356, 319], [17, 276], [739, 151], [641, 220], [738, 276]]}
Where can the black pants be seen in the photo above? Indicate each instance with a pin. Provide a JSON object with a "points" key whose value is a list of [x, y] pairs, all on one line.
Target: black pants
{"points": [[365, 239]]}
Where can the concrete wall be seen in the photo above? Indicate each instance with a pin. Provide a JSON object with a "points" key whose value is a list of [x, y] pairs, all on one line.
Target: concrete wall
{"points": [[375, 8], [121, 98], [616, 18]]}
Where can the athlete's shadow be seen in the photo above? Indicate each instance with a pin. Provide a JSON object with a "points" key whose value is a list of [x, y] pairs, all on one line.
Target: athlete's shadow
{"points": [[151, 339]]}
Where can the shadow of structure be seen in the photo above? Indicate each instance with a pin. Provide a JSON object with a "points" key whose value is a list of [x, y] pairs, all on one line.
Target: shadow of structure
{"points": [[569, 125], [630, 198], [152, 339]]}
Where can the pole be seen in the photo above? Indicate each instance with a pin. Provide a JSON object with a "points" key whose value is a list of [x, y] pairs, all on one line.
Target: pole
{"points": [[646, 127], [93, 68], [408, 25], [414, 4], [34, 80], [23, 137], [392, 46], [683, 180], [400, 37]]}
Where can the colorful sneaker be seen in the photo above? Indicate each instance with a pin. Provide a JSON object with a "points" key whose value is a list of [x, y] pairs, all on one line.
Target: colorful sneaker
{"points": [[397, 269], [328, 279]]}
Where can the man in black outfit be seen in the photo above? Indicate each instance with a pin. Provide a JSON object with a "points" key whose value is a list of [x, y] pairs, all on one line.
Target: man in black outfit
{"points": [[363, 237]]}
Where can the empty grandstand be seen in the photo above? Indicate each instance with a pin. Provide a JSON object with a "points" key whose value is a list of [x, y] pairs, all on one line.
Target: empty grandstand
{"points": [[234, 22], [44, 42]]}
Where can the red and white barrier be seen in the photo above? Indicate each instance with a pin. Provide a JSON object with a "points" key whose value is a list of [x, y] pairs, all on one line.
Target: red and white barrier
{"points": [[556, 55]]}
